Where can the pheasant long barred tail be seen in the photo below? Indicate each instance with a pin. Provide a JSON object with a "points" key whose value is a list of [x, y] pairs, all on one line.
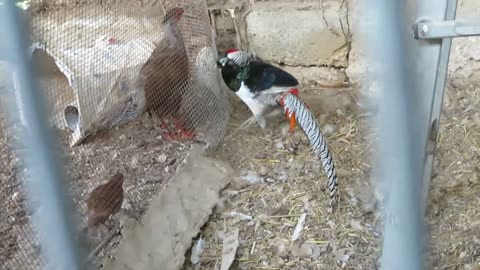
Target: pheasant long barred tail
{"points": [[294, 107], [129, 112]]}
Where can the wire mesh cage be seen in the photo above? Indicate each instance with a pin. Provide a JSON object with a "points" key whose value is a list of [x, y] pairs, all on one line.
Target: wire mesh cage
{"points": [[129, 86]]}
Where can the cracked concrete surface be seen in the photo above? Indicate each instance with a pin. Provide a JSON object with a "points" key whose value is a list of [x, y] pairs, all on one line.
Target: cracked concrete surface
{"points": [[175, 216]]}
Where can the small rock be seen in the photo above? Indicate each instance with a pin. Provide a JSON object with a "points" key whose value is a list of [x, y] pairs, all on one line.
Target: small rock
{"points": [[263, 170], [167, 169], [279, 145], [270, 180], [283, 176], [252, 178], [11, 220], [304, 251], [316, 252]]}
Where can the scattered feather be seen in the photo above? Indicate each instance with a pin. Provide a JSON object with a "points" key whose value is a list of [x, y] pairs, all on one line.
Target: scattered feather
{"points": [[299, 228], [230, 245], [197, 251], [252, 178], [241, 216]]}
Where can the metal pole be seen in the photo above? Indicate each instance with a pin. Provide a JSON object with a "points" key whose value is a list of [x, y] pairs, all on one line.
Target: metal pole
{"points": [[431, 65], [401, 149], [46, 179]]}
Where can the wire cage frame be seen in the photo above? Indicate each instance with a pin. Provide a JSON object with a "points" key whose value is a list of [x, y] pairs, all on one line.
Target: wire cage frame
{"points": [[34, 156], [101, 67]]}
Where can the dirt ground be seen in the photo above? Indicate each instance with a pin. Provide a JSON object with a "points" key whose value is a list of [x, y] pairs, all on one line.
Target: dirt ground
{"points": [[276, 183], [141, 155]]}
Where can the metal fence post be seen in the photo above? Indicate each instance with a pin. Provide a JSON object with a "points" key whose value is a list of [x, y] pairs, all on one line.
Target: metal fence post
{"points": [[45, 177], [401, 147], [431, 64]]}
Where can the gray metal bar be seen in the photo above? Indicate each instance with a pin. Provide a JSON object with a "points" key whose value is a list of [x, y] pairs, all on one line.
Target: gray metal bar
{"points": [[46, 178], [400, 148], [426, 29], [431, 66]]}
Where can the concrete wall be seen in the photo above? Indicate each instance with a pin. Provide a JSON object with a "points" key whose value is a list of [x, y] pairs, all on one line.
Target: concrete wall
{"points": [[464, 58], [465, 54], [317, 33], [300, 33]]}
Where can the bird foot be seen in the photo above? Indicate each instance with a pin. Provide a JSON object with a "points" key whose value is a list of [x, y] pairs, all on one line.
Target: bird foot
{"points": [[248, 123], [183, 132]]}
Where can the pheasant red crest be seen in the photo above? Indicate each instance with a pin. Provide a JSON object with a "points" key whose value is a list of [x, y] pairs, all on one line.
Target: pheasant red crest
{"points": [[231, 51]]}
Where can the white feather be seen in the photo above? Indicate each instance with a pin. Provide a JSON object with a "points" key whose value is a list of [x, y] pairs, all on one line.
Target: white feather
{"points": [[259, 103], [299, 227], [197, 251], [276, 89], [256, 107]]}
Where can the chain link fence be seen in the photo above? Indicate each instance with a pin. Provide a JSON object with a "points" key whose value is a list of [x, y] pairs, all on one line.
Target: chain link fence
{"points": [[129, 85]]}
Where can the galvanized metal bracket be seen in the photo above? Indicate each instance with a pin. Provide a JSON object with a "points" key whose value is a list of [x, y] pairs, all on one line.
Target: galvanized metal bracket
{"points": [[434, 38], [426, 28], [433, 30]]}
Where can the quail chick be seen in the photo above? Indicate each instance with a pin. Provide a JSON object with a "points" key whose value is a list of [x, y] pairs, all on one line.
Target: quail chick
{"points": [[105, 201]]}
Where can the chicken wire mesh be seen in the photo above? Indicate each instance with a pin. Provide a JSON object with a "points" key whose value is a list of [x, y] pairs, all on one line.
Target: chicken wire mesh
{"points": [[129, 85]]}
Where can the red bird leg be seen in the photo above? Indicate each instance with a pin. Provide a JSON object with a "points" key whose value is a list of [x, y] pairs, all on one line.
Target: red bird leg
{"points": [[185, 134], [291, 130], [292, 121], [169, 135]]}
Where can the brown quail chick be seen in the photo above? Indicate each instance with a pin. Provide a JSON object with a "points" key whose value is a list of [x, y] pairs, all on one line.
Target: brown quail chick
{"points": [[105, 201]]}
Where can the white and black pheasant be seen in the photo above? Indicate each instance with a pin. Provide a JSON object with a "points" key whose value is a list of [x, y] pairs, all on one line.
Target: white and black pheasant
{"points": [[257, 84], [263, 88]]}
